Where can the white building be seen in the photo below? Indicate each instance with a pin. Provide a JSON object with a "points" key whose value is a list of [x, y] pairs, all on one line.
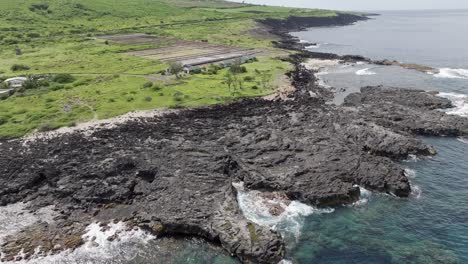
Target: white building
{"points": [[16, 82]]}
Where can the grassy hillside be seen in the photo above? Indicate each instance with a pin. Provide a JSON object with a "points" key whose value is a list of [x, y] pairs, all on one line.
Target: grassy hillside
{"points": [[58, 36]]}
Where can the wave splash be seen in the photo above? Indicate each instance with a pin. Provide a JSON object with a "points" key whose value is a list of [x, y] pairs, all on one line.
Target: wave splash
{"points": [[460, 101], [365, 71], [452, 73], [255, 208], [363, 198], [112, 243]]}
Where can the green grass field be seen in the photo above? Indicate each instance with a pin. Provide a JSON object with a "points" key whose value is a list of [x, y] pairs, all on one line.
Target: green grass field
{"points": [[58, 36]]}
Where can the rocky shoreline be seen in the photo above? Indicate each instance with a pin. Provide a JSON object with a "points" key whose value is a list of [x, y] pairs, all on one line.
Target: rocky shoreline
{"points": [[173, 174]]}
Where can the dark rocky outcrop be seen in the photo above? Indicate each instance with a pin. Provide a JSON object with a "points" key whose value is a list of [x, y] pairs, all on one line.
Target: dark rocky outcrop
{"points": [[173, 174]]}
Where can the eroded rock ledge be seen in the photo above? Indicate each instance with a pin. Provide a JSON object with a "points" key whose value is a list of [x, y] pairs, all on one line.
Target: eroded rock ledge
{"points": [[173, 174]]}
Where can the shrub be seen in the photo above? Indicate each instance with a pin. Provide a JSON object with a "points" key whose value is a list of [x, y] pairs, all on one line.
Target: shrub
{"points": [[255, 87], [196, 71], [157, 87], [19, 67], [249, 78], [129, 99], [50, 100], [57, 87], [2, 121], [11, 41], [33, 35], [111, 100], [147, 85], [238, 69], [148, 99], [178, 96], [63, 78], [30, 83], [39, 7]]}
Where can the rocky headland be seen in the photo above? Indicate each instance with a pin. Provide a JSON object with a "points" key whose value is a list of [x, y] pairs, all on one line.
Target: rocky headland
{"points": [[174, 174]]}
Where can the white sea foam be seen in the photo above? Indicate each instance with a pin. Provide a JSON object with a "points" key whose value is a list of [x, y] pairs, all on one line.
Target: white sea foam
{"points": [[365, 71], [290, 222], [98, 248], [452, 73], [463, 140], [15, 217], [303, 41], [410, 173], [412, 158], [322, 72], [315, 46], [416, 191], [460, 101], [363, 198]]}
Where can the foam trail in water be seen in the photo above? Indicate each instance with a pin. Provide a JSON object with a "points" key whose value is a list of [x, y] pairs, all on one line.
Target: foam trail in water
{"points": [[365, 71], [452, 73], [256, 209], [460, 101]]}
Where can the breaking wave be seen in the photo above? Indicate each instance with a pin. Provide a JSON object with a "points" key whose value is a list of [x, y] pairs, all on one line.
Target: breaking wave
{"points": [[460, 101], [416, 191], [363, 198], [255, 208], [112, 243], [314, 46], [365, 71], [452, 73], [410, 173], [463, 140]]}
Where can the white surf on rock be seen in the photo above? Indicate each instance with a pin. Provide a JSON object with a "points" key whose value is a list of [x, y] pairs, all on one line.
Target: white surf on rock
{"points": [[289, 222], [363, 198], [365, 72], [452, 73], [112, 243], [460, 101], [410, 173]]}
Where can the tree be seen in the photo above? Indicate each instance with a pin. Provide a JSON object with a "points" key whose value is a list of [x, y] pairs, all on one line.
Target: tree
{"points": [[176, 68], [265, 78], [229, 80], [237, 67]]}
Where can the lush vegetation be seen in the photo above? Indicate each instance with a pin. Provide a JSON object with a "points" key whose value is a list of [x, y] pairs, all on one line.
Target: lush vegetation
{"points": [[75, 77]]}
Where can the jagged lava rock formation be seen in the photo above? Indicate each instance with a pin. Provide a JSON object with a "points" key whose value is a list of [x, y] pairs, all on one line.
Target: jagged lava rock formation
{"points": [[174, 174]]}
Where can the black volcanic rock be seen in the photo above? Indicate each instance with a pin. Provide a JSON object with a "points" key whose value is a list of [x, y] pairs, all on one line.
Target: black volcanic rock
{"points": [[174, 174]]}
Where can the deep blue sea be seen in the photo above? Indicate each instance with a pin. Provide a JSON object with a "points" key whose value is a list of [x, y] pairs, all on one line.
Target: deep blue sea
{"points": [[429, 227], [432, 225]]}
